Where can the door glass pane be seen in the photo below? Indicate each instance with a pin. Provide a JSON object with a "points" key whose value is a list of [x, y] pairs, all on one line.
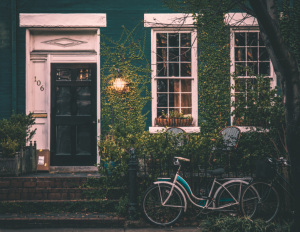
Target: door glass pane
{"points": [[83, 74], [63, 100], [83, 100], [63, 140], [63, 74], [83, 146]]}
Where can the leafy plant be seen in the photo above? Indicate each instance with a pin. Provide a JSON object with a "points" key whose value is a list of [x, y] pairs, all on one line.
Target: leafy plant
{"points": [[15, 132], [241, 224]]}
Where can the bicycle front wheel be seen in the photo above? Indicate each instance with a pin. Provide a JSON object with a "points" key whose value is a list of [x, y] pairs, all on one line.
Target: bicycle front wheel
{"points": [[260, 200], [155, 212]]}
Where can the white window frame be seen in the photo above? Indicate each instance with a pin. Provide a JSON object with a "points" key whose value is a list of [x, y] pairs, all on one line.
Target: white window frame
{"points": [[193, 77], [273, 82], [173, 23]]}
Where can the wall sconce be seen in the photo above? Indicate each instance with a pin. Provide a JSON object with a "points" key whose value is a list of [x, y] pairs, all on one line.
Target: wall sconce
{"points": [[120, 85]]}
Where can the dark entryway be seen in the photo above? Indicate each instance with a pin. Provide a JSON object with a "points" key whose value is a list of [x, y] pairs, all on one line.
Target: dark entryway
{"points": [[73, 115]]}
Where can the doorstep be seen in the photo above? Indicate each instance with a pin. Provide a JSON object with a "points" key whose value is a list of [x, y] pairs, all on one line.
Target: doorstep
{"points": [[48, 220]]}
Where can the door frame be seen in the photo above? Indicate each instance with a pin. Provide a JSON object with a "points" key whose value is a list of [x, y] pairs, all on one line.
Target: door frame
{"points": [[74, 55]]}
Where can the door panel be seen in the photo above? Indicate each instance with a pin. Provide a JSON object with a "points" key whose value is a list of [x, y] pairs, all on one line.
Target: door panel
{"points": [[73, 115]]}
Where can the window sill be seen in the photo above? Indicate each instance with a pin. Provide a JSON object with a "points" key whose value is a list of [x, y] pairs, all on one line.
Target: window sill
{"points": [[187, 129], [245, 129]]}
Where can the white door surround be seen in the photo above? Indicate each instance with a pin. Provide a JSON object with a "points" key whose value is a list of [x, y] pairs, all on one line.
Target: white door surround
{"points": [[57, 42]]}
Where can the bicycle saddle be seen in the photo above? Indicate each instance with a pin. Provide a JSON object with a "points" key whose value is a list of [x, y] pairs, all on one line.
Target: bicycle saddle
{"points": [[216, 172]]}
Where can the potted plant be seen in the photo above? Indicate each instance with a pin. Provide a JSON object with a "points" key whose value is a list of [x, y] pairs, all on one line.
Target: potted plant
{"points": [[174, 119], [14, 133]]}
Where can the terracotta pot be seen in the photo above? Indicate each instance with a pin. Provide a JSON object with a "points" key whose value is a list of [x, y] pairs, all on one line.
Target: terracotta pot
{"points": [[173, 122]]}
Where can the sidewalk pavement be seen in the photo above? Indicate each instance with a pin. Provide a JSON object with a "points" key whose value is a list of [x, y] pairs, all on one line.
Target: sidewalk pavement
{"points": [[176, 229]]}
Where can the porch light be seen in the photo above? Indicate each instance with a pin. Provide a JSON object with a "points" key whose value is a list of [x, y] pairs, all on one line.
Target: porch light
{"points": [[120, 85]]}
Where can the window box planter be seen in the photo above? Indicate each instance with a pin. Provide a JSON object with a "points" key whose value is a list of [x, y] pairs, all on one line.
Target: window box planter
{"points": [[176, 122], [10, 166]]}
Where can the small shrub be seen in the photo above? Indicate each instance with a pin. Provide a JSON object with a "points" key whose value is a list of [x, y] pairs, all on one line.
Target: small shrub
{"points": [[242, 224], [15, 132]]}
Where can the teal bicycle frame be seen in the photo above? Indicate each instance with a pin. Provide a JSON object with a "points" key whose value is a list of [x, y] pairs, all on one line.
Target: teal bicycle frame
{"points": [[205, 202]]}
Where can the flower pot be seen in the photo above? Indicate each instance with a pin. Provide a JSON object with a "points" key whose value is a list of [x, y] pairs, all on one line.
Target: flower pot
{"points": [[10, 166], [112, 164], [173, 122]]}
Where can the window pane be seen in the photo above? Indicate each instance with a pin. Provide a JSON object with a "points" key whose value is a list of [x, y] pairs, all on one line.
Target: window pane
{"points": [[173, 40], [174, 54], [240, 54], [264, 68], [174, 100], [172, 110], [261, 42], [240, 85], [63, 100], [186, 70], [185, 39], [161, 70], [63, 140], [187, 111], [240, 69], [186, 100], [174, 86], [239, 39], [63, 74], [84, 74], [83, 146], [162, 85], [252, 38], [263, 54], [162, 100], [83, 96], [161, 54], [185, 54], [186, 86], [252, 54], [161, 39], [173, 69], [253, 68]]}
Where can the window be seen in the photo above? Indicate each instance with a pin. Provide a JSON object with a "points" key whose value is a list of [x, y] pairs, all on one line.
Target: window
{"points": [[250, 58], [174, 65]]}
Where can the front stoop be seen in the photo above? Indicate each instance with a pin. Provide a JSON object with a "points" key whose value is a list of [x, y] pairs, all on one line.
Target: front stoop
{"points": [[87, 220]]}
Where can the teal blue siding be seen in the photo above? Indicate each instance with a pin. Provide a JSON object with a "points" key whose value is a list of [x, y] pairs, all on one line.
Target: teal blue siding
{"points": [[119, 12]]}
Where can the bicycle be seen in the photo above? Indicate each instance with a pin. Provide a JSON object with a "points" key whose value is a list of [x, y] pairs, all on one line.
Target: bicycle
{"points": [[164, 202], [261, 199]]}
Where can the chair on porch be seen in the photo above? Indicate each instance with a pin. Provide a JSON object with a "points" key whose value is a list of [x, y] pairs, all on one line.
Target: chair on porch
{"points": [[230, 136]]}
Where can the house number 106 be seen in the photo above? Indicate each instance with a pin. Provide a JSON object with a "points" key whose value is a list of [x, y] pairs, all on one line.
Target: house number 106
{"points": [[38, 83]]}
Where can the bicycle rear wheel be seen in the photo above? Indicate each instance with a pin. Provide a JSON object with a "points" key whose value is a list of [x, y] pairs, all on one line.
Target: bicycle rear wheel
{"points": [[155, 212], [226, 200], [260, 200]]}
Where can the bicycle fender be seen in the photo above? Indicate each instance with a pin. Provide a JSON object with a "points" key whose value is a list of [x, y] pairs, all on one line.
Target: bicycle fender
{"points": [[225, 184], [168, 183]]}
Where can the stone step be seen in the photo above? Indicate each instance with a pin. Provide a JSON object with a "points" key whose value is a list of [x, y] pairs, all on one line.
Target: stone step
{"points": [[58, 193], [58, 206], [66, 220], [41, 182]]}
